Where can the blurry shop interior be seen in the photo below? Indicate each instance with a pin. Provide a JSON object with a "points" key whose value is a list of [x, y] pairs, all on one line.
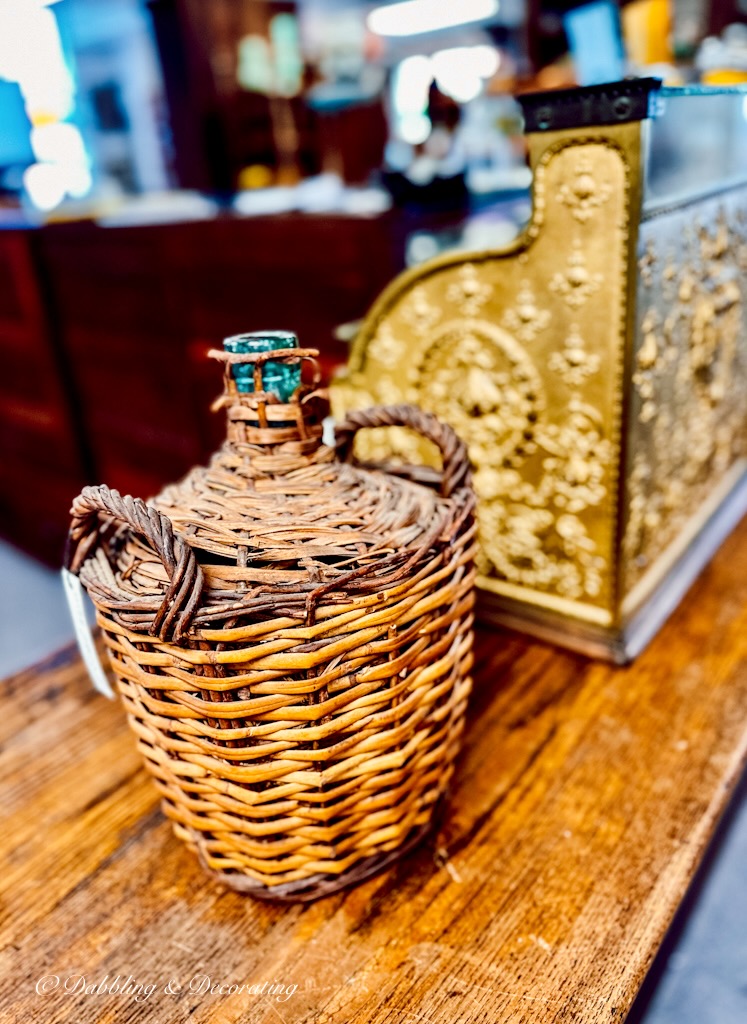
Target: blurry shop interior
{"points": [[175, 171]]}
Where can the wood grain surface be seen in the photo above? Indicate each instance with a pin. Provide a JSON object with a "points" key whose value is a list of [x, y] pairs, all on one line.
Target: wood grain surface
{"points": [[582, 805]]}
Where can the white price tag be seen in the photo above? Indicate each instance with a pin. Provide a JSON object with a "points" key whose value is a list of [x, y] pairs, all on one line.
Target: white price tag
{"points": [[86, 646], [328, 431]]}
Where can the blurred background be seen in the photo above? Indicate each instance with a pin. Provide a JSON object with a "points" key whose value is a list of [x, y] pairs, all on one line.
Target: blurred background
{"points": [[174, 171]]}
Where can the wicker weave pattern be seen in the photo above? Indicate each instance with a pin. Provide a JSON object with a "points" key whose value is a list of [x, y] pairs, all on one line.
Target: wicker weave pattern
{"points": [[300, 712]]}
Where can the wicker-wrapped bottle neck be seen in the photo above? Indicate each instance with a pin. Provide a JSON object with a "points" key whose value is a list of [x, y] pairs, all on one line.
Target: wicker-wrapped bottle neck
{"points": [[274, 417]]}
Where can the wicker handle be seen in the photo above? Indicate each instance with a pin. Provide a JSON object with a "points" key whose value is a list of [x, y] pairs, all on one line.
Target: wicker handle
{"points": [[172, 619], [455, 472]]}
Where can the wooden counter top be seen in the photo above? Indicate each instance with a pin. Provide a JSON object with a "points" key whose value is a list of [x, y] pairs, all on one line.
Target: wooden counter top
{"points": [[582, 806]]}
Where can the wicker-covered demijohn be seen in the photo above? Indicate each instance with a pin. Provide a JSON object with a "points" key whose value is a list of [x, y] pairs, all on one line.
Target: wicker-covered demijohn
{"points": [[291, 635]]}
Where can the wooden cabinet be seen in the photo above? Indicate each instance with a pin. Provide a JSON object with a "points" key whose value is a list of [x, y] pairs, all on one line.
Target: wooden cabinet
{"points": [[104, 334], [42, 452], [117, 300]]}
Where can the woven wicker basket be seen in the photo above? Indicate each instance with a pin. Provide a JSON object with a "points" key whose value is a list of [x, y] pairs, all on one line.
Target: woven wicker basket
{"points": [[291, 636]]}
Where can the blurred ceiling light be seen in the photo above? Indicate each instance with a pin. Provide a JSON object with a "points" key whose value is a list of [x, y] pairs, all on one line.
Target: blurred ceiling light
{"points": [[78, 180], [45, 184], [287, 50], [28, 3], [32, 55], [61, 146], [58, 143], [254, 70], [461, 70], [413, 17], [461, 87], [273, 67], [412, 80], [414, 128]]}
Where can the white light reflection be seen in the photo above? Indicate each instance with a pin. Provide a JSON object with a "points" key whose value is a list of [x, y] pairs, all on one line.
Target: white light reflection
{"points": [[58, 143], [412, 80], [415, 128], [45, 184], [460, 71], [32, 55], [413, 17]]}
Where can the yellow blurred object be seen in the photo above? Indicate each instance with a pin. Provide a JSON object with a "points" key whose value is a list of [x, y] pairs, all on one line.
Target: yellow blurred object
{"points": [[39, 118], [561, 75], [724, 76], [255, 176], [288, 174], [647, 29]]}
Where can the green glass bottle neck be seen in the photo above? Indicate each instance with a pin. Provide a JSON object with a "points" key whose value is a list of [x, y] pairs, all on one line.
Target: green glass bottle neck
{"points": [[281, 379]]}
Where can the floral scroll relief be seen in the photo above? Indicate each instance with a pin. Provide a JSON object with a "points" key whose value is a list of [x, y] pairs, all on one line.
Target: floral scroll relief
{"points": [[576, 283], [525, 319], [420, 313], [583, 193], [469, 292], [689, 375], [386, 348], [482, 381], [573, 362]]}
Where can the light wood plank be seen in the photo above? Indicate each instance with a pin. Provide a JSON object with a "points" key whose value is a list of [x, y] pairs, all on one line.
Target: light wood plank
{"points": [[583, 803]]}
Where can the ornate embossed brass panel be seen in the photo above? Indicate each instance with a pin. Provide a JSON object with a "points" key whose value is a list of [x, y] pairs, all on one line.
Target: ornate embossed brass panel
{"points": [[687, 438], [596, 369]]}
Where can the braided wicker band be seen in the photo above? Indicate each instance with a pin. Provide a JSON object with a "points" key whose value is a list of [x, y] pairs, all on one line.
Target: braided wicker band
{"points": [[307, 889], [172, 618], [455, 471], [291, 637]]}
